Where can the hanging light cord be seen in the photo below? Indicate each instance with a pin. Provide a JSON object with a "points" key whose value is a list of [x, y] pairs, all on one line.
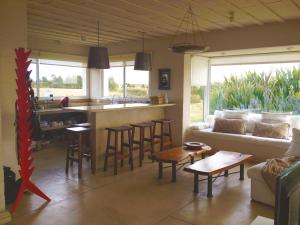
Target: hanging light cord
{"points": [[98, 33], [143, 41]]}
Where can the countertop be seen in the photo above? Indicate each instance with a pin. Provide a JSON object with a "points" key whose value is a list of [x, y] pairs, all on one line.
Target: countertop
{"points": [[111, 107]]}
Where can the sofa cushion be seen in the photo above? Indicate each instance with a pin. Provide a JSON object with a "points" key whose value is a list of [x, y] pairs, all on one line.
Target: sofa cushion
{"points": [[294, 149], [280, 131], [233, 126]]}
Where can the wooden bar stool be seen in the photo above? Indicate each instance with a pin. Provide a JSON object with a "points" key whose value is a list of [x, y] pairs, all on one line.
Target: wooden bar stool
{"points": [[161, 137], [118, 155], [86, 137], [142, 139], [86, 125], [77, 133]]}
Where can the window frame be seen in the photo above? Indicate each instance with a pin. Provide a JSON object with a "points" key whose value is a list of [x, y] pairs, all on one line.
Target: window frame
{"points": [[87, 82], [124, 65]]}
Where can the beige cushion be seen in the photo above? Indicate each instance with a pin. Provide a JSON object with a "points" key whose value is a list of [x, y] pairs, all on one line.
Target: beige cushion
{"points": [[233, 126], [294, 149], [280, 130]]}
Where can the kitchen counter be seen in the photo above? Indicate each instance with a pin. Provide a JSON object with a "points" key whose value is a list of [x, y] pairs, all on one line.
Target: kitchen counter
{"points": [[110, 107]]}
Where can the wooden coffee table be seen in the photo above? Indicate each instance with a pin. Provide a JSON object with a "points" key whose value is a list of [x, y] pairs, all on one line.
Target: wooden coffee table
{"points": [[177, 156], [220, 162]]}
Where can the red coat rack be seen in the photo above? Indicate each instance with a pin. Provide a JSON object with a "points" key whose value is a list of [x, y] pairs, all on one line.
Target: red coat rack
{"points": [[24, 130]]}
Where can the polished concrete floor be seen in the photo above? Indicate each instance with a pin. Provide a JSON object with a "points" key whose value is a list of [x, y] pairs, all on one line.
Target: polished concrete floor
{"points": [[132, 197]]}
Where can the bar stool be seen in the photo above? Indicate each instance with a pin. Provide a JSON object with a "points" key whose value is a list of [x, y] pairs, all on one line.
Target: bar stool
{"points": [[163, 124], [142, 127], [118, 155], [77, 133], [86, 137]]}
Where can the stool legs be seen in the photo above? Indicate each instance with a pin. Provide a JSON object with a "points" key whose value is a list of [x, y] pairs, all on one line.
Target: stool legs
{"points": [[122, 148], [130, 150], [107, 150], [80, 157], [141, 146], [116, 154], [161, 146]]}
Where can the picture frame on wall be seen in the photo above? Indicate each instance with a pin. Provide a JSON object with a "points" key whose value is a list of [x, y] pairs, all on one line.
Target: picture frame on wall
{"points": [[164, 79]]}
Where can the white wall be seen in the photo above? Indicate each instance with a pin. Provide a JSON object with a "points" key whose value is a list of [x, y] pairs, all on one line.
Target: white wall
{"points": [[13, 24]]}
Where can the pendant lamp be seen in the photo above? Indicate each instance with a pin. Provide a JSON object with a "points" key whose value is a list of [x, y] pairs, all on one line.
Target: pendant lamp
{"points": [[98, 56], [142, 59], [190, 44]]}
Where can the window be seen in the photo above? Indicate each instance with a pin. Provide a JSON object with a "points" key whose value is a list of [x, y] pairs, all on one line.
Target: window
{"points": [[122, 80], [263, 82], [259, 87], [59, 78]]}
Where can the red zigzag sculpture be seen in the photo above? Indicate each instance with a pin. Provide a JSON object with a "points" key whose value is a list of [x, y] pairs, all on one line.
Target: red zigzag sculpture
{"points": [[24, 129]]}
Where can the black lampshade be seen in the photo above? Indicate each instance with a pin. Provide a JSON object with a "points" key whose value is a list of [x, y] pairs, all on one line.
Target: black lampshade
{"points": [[98, 58], [142, 61]]}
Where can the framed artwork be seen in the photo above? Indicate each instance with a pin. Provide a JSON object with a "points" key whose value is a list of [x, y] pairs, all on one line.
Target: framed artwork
{"points": [[164, 79]]}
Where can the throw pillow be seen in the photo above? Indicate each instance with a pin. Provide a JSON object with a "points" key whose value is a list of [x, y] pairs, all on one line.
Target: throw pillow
{"points": [[294, 149], [236, 114], [272, 117], [278, 130], [233, 126]]}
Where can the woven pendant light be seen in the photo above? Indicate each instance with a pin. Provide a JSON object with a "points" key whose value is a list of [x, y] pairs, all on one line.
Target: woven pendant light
{"points": [[98, 56], [190, 25], [143, 59]]}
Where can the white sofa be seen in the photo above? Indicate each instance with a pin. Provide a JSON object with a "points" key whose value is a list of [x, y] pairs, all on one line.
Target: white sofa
{"points": [[262, 148]]}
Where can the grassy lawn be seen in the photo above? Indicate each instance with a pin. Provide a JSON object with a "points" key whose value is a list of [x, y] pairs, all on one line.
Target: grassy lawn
{"points": [[196, 112]]}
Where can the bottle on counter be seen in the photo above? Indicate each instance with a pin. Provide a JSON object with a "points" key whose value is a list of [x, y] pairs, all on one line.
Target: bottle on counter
{"points": [[166, 99]]}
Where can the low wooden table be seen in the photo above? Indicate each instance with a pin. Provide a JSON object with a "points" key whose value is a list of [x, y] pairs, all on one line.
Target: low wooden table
{"points": [[220, 162], [176, 156]]}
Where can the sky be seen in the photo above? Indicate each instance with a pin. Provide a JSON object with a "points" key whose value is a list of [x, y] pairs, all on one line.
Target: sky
{"points": [[218, 73]]}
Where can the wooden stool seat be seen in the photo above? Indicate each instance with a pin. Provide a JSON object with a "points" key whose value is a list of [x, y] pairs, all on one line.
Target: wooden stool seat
{"points": [[150, 124], [162, 121], [118, 155], [86, 125], [76, 146], [161, 136], [118, 129]]}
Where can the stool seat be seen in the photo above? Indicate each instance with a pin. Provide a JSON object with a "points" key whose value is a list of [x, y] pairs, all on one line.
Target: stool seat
{"points": [[87, 125], [78, 129], [144, 125], [122, 128], [162, 121]]}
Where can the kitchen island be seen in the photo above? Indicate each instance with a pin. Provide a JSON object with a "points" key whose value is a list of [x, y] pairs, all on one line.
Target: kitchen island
{"points": [[113, 115]]}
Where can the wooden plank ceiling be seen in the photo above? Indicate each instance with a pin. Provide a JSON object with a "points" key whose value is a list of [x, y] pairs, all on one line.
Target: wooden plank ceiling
{"points": [[123, 20]]}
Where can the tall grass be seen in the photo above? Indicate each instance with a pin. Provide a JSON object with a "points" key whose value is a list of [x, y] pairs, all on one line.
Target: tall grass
{"points": [[258, 91]]}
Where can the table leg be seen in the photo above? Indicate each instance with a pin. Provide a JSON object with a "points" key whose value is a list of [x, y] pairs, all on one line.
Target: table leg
{"points": [[226, 173], [160, 170], [209, 187], [196, 183], [242, 167], [173, 171]]}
